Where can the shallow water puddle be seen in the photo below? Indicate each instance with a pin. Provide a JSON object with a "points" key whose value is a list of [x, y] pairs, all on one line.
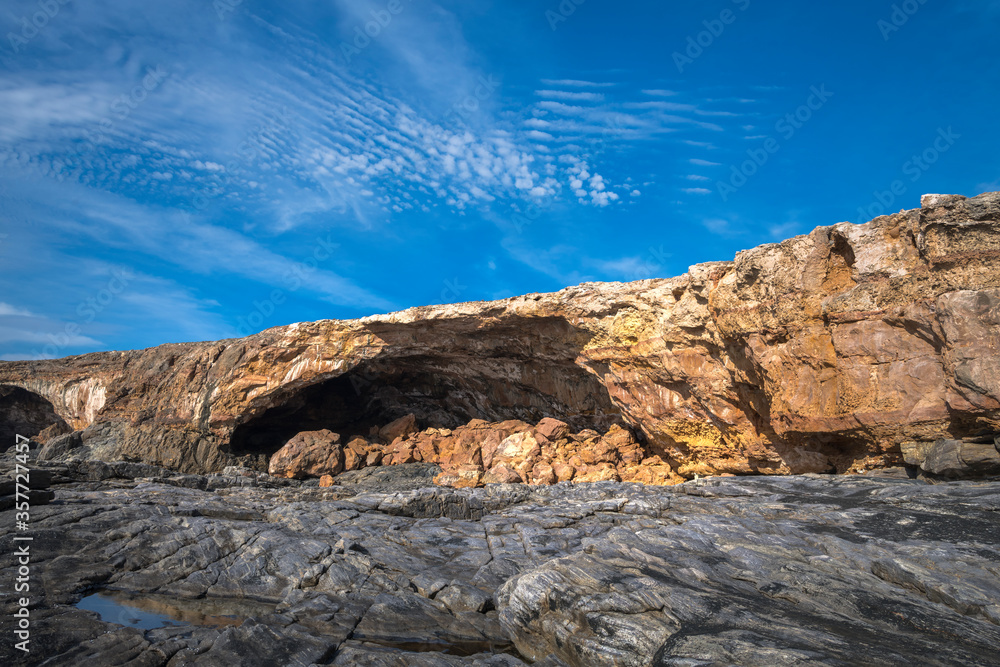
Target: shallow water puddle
{"points": [[147, 612]]}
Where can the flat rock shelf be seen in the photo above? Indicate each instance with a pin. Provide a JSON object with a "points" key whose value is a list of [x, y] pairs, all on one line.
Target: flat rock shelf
{"points": [[797, 570]]}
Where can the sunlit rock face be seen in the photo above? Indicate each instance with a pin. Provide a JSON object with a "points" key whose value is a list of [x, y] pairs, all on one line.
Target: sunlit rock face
{"points": [[822, 353]]}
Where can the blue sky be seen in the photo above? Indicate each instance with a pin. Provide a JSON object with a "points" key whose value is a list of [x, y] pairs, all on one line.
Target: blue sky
{"points": [[196, 170]]}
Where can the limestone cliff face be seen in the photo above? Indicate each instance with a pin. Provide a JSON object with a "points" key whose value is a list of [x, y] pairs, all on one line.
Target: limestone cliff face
{"points": [[821, 353]]}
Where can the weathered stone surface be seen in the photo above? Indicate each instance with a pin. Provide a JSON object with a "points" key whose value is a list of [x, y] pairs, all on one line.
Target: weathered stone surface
{"points": [[818, 354], [399, 428], [738, 570], [461, 477], [459, 597], [953, 458], [309, 454], [552, 429]]}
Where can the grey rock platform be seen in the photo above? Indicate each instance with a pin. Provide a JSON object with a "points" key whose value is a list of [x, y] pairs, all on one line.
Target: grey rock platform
{"points": [[809, 570]]}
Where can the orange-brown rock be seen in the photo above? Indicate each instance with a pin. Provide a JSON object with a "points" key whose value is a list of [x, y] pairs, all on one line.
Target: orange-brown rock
{"points": [[516, 447], [653, 472], [460, 477], [501, 475], [552, 429], [818, 354], [601, 472], [326, 481], [355, 453], [399, 452], [564, 472], [401, 427], [309, 454], [542, 473]]}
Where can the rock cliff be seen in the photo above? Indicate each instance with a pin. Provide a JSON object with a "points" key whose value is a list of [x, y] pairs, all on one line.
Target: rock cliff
{"points": [[823, 353]]}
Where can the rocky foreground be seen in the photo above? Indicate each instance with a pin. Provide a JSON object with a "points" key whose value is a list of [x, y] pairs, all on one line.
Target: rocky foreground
{"points": [[384, 569]]}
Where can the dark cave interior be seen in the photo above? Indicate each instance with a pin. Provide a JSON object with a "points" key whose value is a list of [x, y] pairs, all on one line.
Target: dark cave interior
{"points": [[441, 393]]}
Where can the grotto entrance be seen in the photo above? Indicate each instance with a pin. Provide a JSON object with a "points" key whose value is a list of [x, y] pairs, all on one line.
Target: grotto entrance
{"points": [[26, 413], [441, 393]]}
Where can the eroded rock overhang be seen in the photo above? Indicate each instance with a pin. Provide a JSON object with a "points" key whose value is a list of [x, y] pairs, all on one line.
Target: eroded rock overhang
{"points": [[822, 353]]}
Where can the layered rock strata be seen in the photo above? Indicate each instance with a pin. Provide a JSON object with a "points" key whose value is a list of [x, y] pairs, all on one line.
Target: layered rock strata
{"points": [[823, 353]]}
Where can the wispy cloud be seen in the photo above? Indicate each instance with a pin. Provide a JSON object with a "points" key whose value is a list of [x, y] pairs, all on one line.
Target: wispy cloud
{"points": [[291, 145], [780, 232], [989, 187], [719, 226], [9, 310], [570, 95], [577, 83], [259, 143], [574, 117]]}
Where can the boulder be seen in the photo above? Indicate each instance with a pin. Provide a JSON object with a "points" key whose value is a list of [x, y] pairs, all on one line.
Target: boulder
{"points": [[53, 431], [459, 597], [513, 449], [953, 458], [552, 429], [309, 454], [355, 453], [60, 446], [399, 428], [399, 452], [542, 473], [564, 472], [460, 477], [501, 475]]}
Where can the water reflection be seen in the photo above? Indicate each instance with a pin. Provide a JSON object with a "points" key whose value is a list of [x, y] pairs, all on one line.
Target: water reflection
{"points": [[147, 612]]}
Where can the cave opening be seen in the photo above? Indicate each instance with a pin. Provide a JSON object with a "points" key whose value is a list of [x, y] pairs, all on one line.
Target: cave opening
{"points": [[441, 393], [25, 413]]}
